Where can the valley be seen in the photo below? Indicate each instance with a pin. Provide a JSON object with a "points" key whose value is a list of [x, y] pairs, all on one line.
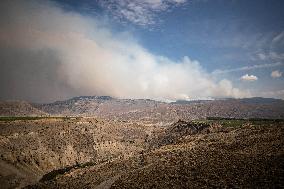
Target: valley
{"points": [[101, 142]]}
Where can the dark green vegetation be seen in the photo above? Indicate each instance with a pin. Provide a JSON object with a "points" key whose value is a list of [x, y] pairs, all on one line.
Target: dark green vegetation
{"points": [[53, 174], [232, 122]]}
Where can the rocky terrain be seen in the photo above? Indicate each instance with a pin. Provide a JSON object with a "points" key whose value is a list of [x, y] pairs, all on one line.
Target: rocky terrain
{"points": [[213, 156], [103, 142], [31, 148]]}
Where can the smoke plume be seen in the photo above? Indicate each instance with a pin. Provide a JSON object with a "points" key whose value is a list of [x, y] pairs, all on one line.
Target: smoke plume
{"points": [[47, 53]]}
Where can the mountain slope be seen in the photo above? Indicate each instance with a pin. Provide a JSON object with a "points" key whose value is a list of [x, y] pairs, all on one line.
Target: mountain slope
{"points": [[154, 111], [149, 111], [19, 108], [227, 157]]}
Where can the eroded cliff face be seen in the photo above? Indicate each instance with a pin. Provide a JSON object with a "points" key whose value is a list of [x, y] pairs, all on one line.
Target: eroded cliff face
{"points": [[29, 149], [198, 154], [96, 153]]}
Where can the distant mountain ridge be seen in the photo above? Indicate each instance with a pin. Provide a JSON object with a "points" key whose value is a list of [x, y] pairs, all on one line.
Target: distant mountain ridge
{"points": [[151, 111], [245, 100], [87, 98], [260, 100]]}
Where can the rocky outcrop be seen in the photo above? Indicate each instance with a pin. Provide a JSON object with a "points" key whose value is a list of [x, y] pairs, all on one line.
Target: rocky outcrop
{"points": [[175, 132]]}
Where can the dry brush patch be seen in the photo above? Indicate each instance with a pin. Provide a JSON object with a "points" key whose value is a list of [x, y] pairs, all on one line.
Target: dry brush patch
{"points": [[250, 155]]}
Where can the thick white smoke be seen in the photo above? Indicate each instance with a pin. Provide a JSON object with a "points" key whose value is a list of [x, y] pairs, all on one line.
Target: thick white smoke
{"points": [[93, 60]]}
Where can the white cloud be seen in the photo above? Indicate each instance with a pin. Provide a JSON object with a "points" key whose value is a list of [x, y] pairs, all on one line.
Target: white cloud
{"points": [[249, 78], [140, 12], [276, 74], [96, 61], [252, 67]]}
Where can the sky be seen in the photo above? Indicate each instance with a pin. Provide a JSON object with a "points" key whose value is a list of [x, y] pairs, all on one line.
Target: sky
{"points": [[159, 49]]}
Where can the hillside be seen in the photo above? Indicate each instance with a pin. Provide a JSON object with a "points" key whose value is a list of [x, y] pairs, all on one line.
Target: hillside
{"points": [[148, 111], [104, 142], [246, 156], [31, 148], [19, 108]]}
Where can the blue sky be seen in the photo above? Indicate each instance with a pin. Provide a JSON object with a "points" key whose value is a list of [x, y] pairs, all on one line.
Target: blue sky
{"points": [[220, 34], [205, 30], [226, 48]]}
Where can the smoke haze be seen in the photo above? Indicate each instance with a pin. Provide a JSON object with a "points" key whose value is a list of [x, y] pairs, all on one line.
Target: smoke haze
{"points": [[47, 54]]}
